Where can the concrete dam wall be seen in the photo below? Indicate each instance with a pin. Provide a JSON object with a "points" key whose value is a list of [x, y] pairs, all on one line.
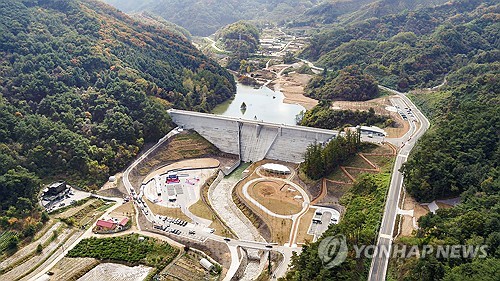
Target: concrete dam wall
{"points": [[252, 140]]}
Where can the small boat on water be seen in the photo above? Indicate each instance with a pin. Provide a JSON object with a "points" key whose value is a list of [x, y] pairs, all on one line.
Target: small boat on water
{"points": [[243, 106]]}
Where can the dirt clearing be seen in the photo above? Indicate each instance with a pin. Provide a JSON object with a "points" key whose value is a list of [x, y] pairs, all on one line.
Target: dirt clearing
{"points": [[116, 272], [276, 196], [292, 86]]}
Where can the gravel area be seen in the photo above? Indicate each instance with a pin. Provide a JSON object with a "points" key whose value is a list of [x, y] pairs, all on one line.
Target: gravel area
{"points": [[116, 272], [221, 200]]}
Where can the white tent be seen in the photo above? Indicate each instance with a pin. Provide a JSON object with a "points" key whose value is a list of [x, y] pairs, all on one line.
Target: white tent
{"points": [[276, 168]]}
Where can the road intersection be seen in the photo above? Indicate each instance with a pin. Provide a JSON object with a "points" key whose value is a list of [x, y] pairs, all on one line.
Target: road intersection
{"points": [[379, 265]]}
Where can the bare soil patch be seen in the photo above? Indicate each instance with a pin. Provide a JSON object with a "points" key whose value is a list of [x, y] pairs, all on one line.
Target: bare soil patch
{"points": [[116, 272], [164, 211], [276, 196], [198, 163], [292, 86], [378, 104], [407, 226]]}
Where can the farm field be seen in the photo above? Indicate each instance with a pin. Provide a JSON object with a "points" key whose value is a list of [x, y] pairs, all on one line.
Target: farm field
{"points": [[30, 249], [187, 267], [73, 268], [4, 240], [128, 249], [29, 263]]}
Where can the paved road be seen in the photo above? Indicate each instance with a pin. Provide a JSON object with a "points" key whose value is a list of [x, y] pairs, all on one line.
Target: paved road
{"points": [[285, 251], [214, 45], [126, 181], [88, 233], [379, 265]]}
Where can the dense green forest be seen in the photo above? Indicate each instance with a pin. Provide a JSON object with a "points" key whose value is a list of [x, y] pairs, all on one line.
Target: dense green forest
{"points": [[322, 116], [150, 18], [414, 48], [346, 11], [241, 38], [320, 160], [349, 83], [83, 87], [459, 155]]}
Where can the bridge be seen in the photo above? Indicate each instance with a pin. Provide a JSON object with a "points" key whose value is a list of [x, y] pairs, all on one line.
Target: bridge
{"points": [[252, 140]]}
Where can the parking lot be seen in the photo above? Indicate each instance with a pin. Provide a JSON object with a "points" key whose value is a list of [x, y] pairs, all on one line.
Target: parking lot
{"points": [[182, 228], [322, 218], [70, 198]]}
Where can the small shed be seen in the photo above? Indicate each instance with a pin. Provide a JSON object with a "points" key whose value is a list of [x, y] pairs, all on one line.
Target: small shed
{"points": [[206, 264], [123, 222]]}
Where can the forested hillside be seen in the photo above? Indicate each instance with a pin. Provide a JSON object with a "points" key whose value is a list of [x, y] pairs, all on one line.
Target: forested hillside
{"points": [[458, 156], [83, 87], [344, 11], [203, 18], [153, 19], [350, 83], [241, 37], [412, 49]]}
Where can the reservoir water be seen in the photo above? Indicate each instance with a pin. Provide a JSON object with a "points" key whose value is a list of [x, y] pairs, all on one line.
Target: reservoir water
{"points": [[262, 104]]}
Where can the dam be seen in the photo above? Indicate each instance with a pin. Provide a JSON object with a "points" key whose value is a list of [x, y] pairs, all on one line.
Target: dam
{"points": [[252, 140]]}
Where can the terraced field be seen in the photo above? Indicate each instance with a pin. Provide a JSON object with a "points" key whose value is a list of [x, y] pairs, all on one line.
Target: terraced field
{"points": [[32, 262], [29, 250], [4, 240], [72, 268], [186, 268]]}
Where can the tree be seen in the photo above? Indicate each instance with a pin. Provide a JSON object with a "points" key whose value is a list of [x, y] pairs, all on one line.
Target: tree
{"points": [[39, 248]]}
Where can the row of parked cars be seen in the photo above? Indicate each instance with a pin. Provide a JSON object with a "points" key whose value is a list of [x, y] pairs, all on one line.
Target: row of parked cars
{"points": [[174, 221], [166, 227]]}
